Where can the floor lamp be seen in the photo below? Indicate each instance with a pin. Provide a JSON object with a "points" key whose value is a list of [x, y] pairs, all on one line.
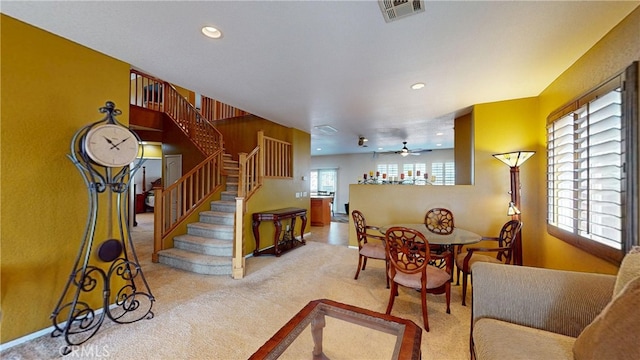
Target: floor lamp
{"points": [[514, 160]]}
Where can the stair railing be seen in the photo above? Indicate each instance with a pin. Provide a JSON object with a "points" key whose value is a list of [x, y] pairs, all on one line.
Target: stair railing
{"points": [[271, 158], [214, 110], [179, 200], [155, 94]]}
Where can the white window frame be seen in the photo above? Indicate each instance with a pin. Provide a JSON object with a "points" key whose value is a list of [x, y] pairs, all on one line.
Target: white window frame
{"points": [[576, 185]]}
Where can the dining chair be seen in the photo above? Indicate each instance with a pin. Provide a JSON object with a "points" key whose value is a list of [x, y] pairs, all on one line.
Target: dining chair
{"points": [[504, 253], [374, 249], [408, 255], [439, 221]]}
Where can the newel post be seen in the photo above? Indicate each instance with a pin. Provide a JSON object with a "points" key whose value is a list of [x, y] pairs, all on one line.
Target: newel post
{"points": [[158, 210], [238, 261]]}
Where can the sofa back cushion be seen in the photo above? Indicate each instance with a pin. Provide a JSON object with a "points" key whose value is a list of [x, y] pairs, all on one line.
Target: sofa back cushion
{"points": [[615, 332], [629, 269]]}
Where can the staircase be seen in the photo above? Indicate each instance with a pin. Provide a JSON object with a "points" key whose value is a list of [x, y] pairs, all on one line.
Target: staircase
{"points": [[207, 248]]}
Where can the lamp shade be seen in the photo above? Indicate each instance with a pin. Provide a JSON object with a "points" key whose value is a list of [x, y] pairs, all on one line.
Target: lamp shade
{"points": [[515, 158], [513, 210]]}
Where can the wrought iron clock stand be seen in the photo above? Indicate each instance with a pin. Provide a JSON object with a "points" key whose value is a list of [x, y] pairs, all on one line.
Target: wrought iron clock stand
{"points": [[114, 259]]}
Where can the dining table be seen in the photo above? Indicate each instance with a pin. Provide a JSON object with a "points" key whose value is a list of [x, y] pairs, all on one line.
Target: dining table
{"points": [[459, 236]]}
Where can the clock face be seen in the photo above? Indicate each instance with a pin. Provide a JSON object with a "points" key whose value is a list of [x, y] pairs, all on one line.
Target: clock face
{"points": [[111, 145]]}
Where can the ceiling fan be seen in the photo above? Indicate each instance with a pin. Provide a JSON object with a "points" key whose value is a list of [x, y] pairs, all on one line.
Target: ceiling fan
{"points": [[405, 151]]}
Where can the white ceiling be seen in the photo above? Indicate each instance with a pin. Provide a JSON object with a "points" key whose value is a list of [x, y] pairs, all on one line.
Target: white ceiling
{"points": [[338, 63]]}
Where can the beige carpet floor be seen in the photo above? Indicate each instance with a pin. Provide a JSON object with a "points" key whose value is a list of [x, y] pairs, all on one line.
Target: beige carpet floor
{"points": [[216, 317]]}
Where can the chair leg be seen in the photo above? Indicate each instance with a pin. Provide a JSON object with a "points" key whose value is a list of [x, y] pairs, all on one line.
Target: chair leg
{"points": [[457, 276], [425, 312], [464, 288], [386, 273], [364, 263], [447, 292], [392, 297], [359, 265]]}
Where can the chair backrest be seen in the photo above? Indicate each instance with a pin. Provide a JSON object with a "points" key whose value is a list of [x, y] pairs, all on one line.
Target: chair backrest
{"points": [[361, 227], [507, 239], [407, 250], [439, 221]]}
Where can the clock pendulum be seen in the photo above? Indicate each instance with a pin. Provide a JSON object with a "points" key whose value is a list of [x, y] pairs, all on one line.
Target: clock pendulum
{"points": [[106, 155]]}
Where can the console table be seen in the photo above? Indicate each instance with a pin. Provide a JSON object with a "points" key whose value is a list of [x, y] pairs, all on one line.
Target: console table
{"points": [[289, 240]]}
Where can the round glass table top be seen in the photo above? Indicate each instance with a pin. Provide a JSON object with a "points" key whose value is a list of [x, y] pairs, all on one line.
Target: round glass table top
{"points": [[459, 236]]}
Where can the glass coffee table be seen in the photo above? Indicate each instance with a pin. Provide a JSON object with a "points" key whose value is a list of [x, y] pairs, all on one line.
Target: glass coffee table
{"points": [[334, 330]]}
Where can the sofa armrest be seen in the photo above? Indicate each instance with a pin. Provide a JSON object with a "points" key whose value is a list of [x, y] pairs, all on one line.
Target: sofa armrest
{"points": [[562, 302]]}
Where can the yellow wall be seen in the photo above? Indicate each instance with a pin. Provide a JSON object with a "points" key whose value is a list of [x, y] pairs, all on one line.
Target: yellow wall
{"points": [[152, 151], [506, 126], [51, 87], [610, 55], [281, 193]]}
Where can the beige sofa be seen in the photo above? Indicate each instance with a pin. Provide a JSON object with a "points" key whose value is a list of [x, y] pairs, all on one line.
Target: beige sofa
{"points": [[531, 313]]}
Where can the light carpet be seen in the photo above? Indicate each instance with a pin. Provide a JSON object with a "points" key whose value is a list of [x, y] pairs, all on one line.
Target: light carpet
{"points": [[216, 317]]}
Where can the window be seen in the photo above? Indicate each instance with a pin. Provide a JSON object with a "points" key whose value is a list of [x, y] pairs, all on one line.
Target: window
{"points": [[588, 177], [323, 180], [413, 171], [444, 173], [391, 170]]}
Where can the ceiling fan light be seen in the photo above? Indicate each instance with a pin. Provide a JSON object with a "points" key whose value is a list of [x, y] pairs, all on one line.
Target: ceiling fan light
{"points": [[404, 153], [210, 31]]}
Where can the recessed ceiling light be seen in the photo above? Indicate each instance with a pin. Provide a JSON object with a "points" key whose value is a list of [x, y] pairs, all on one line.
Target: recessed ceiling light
{"points": [[380, 148], [439, 134], [319, 149], [210, 31], [438, 144], [417, 86]]}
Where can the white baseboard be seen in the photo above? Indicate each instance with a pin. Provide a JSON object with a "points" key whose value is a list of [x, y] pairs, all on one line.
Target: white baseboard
{"points": [[39, 333]]}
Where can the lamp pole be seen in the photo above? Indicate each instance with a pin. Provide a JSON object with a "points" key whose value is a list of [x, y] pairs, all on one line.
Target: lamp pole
{"points": [[514, 160], [515, 198]]}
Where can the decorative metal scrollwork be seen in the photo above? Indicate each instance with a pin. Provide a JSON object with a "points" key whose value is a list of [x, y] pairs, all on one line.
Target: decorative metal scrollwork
{"points": [[76, 316]]}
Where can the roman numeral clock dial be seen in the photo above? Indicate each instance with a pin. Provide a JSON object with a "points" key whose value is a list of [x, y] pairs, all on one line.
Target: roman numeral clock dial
{"points": [[111, 145]]}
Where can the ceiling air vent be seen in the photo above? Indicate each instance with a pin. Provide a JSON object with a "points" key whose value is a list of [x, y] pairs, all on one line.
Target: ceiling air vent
{"points": [[396, 9]]}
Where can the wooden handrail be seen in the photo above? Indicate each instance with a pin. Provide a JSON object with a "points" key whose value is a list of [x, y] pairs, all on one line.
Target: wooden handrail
{"points": [[155, 94], [271, 158], [278, 158], [182, 198], [214, 110]]}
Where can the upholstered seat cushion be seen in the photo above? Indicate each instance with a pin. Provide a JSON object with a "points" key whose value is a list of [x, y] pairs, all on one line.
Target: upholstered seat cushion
{"points": [[436, 277], [496, 339], [474, 259], [373, 249]]}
